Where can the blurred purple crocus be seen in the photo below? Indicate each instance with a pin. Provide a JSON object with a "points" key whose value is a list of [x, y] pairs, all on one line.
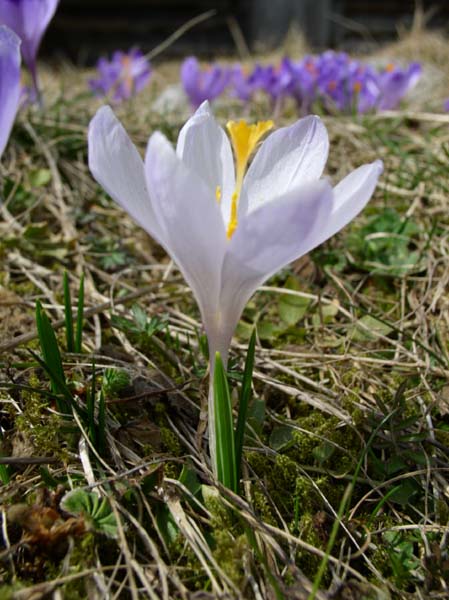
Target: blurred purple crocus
{"points": [[125, 75], [395, 82], [446, 105], [244, 84], [275, 81], [10, 88], [203, 84], [302, 82], [29, 19]]}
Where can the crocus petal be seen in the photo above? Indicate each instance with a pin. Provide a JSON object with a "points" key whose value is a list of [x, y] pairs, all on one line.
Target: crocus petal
{"points": [[190, 75], [269, 238], [289, 157], [351, 195], [191, 218], [395, 85], [29, 19], [9, 82], [204, 147], [117, 166]]}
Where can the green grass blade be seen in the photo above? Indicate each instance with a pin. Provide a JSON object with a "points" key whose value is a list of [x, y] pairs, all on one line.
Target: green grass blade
{"points": [[224, 428], [4, 475], [90, 404], [80, 317], [69, 334], [61, 388], [50, 350], [245, 396], [101, 427]]}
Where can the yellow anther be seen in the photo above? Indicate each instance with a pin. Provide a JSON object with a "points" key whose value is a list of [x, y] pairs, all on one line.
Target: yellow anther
{"points": [[218, 194], [244, 139], [233, 218]]}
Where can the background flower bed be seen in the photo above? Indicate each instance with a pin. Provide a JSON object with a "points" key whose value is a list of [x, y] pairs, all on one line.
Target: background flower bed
{"points": [[352, 340]]}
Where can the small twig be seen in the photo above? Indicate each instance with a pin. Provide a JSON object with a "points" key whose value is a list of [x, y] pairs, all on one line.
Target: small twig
{"points": [[239, 39], [180, 32], [143, 395], [27, 460]]}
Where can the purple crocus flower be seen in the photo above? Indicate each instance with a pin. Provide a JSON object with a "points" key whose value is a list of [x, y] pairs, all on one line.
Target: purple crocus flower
{"points": [[29, 19], [331, 83], [203, 84], [275, 81], [122, 77], [345, 84], [395, 82], [446, 105], [302, 82], [362, 88], [9, 82], [244, 84]]}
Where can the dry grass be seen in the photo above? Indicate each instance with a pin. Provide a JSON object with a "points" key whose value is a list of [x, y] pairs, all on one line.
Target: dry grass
{"points": [[352, 368]]}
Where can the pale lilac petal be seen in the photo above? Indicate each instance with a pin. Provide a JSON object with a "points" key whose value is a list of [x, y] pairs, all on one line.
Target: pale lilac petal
{"points": [[9, 82], [351, 195], [118, 167], [195, 235], [205, 148], [289, 157], [268, 239]]}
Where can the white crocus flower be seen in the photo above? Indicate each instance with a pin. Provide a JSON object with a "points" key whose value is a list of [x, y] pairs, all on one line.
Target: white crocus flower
{"points": [[228, 228]]}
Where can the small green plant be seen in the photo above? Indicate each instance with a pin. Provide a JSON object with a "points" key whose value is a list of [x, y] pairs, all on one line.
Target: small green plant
{"points": [[400, 547], [51, 362], [93, 415], [141, 327], [114, 381], [385, 244], [95, 510]]}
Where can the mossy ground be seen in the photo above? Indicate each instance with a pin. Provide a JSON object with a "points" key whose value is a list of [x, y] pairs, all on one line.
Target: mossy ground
{"points": [[351, 387]]}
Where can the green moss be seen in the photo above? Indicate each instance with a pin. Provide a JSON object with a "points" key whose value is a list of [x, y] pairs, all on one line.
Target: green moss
{"points": [[228, 542], [221, 515], [285, 471], [305, 560], [321, 441], [263, 508], [443, 512], [81, 558], [8, 591], [170, 442], [442, 436], [305, 494], [39, 425], [229, 553]]}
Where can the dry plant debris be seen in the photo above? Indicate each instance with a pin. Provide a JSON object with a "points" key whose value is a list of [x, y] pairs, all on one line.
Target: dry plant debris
{"points": [[351, 387]]}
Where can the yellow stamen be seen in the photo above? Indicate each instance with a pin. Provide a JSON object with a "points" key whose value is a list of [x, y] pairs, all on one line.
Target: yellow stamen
{"points": [[233, 218], [218, 194], [244, 140]]}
